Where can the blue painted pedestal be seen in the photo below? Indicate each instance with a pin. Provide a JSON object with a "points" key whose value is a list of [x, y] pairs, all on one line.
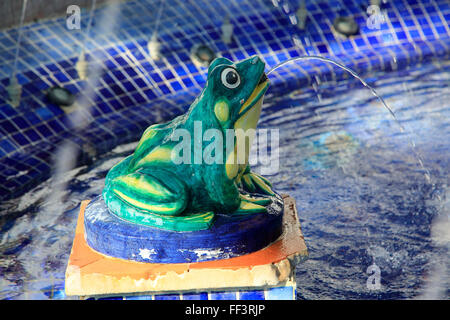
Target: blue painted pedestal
{"points": [[229, 236], [268, 273]]}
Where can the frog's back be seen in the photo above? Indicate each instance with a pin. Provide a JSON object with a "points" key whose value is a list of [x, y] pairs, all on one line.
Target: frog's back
{"points": [[154, 146]]}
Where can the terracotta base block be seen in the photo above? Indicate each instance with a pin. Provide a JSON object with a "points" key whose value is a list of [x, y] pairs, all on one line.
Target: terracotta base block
{"points": [[90, 273]]}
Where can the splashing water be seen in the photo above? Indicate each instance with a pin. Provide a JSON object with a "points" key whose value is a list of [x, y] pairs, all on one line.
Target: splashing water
{"points": [[82, 66], [434, 287], [417, 155], [158, 18], [22, 18], [14, 88], [66, 155]]}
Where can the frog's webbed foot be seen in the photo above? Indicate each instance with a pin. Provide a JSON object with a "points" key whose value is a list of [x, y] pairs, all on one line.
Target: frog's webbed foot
{"points": [[263, 201], [253, 182], [247, 206]]}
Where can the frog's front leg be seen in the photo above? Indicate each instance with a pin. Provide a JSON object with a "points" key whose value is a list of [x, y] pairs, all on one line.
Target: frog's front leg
{"points": [[253, 182]]}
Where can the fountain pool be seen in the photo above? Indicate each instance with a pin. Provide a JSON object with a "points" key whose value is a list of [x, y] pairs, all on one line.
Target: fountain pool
{"points": [[363, 198]]}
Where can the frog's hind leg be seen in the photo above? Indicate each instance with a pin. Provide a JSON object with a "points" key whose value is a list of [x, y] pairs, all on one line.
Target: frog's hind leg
{"points": [[156, 198], [157, 192]]}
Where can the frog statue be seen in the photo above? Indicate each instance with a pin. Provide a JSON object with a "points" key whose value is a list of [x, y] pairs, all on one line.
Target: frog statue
{"points": [[150, 188]]}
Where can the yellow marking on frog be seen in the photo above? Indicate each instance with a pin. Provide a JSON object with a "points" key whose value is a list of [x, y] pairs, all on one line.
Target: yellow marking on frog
{"points": [[139, 182], [254, 95], [241, 171], [249, 119], [231, 165], [149, 133], [257, 200], [245, 131], [249, 206], [201, 216], [263, 179], [260, 183], [222, 111], [162, 154], [248, 182], [162, 208], [245, 197]]}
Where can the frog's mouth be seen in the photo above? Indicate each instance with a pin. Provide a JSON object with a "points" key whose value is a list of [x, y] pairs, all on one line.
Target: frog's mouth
{"points": [[249, 117], [256, 95]]}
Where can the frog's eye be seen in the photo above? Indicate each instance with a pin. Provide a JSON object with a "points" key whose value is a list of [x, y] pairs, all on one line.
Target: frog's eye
{"points": [[230, 78]]}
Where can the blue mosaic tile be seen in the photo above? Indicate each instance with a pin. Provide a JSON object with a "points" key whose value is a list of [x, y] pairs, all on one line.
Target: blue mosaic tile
{"points": [[46, 61], [280, 293], [223, 295], [54, 291], [251, 295], [195, 296], [139, 297], [111, 298], [167, 297]]}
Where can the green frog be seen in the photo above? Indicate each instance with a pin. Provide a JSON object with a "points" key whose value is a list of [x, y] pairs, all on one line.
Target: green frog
{"points": [[150, 188]]}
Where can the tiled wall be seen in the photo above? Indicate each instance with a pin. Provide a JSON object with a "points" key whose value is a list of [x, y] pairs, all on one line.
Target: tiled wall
{"points": [[135, 91]]}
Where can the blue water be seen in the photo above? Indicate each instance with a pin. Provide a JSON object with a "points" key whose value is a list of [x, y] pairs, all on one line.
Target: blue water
{"points": [[363, 197]]}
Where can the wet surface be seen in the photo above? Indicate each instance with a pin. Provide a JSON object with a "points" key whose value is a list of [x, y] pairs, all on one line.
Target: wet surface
{"points": [[363, 197]]}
